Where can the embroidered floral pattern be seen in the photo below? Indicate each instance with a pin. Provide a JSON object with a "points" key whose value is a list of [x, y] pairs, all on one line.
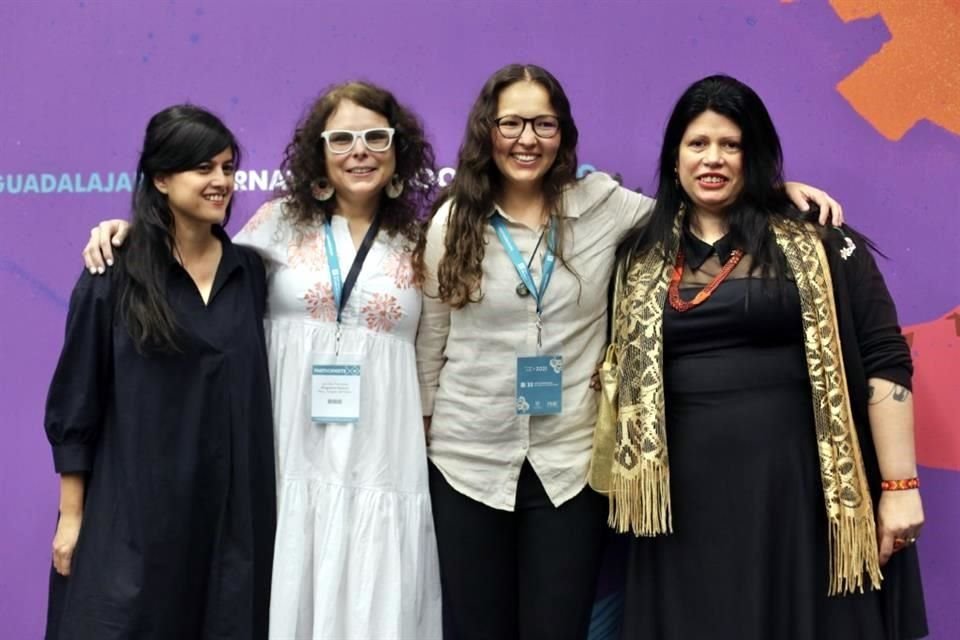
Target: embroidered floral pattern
{"points": [[382, 312], [307, 250], [258, 218], [398, 266], [320, 304]]}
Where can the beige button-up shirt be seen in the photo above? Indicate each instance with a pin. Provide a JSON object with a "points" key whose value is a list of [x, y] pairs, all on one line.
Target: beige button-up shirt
{"points": [[466, 358]]}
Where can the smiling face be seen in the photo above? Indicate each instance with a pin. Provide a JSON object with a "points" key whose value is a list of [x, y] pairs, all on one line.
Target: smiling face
{"points": [[525, 160], [710, 162], [201, 194], [358, 177]]}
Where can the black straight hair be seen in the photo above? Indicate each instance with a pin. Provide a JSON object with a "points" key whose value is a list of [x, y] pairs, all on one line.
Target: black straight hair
{"points": [[763, 195], [179, 138]]}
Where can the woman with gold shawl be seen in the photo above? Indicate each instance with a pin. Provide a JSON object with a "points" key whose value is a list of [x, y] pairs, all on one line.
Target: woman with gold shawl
{"points": [[766, 353]]}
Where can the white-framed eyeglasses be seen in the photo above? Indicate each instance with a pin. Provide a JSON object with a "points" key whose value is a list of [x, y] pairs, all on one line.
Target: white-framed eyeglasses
{"points": [[341, 141]]}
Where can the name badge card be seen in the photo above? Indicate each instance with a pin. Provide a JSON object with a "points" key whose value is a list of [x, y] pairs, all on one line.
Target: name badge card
{"points": [[336, 393], [539, 385]]}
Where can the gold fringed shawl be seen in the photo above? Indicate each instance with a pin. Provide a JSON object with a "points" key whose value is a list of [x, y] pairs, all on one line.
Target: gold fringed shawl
{"points": [[640, 472]]}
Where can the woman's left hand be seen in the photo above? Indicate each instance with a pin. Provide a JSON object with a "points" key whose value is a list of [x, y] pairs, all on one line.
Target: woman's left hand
{"points": [[802, 194], [65, 541], [899, 520]]}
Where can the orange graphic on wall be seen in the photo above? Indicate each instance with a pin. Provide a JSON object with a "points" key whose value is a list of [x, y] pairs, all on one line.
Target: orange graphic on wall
{"points": [[936, 389], [916, 74]]}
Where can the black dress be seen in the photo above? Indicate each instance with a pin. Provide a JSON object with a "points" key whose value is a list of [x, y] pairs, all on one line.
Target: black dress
{"points": [[178, 522], [748, 559]]}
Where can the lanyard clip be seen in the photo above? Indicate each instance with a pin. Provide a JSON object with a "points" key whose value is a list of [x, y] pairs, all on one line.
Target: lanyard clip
{"points": [[339, 333], [539, 330]]}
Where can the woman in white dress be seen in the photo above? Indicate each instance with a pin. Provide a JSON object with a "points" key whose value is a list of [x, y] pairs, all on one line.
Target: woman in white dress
{"points": [[355, 553]]}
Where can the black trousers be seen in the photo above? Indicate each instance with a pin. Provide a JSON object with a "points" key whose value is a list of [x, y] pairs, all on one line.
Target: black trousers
{"points": [[521, 575]]}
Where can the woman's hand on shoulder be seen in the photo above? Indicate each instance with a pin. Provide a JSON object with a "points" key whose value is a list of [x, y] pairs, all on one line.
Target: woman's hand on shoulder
{"points": [[98, 254], [65, 542], [803, 194], [899, 521]]}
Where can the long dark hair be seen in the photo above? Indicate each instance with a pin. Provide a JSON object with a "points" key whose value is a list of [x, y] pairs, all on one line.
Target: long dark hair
{"points": [[763, 195], [304, 160], [179, 138], [478, 181]]}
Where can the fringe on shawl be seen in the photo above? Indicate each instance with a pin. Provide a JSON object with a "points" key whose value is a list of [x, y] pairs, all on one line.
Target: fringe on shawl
{"points": [[642, 507], [640, 491]]}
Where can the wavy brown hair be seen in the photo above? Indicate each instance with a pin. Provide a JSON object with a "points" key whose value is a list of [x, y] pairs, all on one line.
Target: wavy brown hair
{"points": [[478, 182], [304, 160]]}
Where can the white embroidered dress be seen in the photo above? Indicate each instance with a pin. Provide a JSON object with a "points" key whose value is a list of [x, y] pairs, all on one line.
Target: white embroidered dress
{"points": [[356, 552]]}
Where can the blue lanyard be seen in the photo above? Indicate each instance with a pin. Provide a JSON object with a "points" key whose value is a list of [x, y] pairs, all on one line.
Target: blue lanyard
{"points": [[341, 289], [549, 260]]}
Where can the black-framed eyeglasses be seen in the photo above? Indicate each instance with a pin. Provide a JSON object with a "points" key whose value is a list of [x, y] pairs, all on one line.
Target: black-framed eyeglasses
{"points": [[341, 141], [511, 127]]}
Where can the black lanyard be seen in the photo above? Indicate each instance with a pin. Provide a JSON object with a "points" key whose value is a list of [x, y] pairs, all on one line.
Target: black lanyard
{"points": [[341, 293]]}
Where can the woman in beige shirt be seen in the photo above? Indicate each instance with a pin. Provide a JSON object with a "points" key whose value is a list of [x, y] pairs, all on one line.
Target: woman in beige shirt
{"points": [[514, 269]]}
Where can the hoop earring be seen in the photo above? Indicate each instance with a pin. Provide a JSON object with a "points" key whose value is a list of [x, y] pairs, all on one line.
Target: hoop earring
{"points": [[321, 190], [394, 188]]}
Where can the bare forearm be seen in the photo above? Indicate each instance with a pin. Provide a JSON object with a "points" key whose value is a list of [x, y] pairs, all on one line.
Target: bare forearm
{"points": [[71, 494], [68, 526], [891, 424]]}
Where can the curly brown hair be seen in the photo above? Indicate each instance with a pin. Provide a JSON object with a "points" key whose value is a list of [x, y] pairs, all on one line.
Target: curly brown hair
{"points": [[478, 182], [304, 160]]}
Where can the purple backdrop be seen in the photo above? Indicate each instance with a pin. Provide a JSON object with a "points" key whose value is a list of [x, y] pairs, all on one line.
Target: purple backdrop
{"points": [[80, 79]]}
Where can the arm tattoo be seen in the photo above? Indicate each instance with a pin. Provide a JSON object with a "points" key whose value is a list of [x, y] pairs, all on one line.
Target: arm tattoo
{"points": [[871, 399], [900, 394]]}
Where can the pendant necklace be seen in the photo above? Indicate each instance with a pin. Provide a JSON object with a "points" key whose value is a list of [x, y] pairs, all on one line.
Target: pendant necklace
{"points": [[522, 290]]}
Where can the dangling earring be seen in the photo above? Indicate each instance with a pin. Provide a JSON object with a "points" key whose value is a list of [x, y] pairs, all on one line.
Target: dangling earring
{"points": [[676, 178], [321, 190], [394, 188]]}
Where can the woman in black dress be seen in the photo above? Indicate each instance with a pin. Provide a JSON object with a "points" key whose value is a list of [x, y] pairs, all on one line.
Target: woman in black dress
{"points": [[766, 354], [159, 414]]}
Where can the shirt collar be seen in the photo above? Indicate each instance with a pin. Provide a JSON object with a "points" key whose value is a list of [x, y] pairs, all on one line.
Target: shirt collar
{"points": [[581, 195], [229, 260], [696, 251], [499, 211], [218, 232]]}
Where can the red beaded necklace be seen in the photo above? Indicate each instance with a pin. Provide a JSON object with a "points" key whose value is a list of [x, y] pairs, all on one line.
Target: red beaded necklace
{"points": [[673, 292]]}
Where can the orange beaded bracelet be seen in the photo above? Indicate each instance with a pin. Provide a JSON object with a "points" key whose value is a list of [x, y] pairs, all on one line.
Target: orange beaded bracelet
{"points": [[900, 485]]}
